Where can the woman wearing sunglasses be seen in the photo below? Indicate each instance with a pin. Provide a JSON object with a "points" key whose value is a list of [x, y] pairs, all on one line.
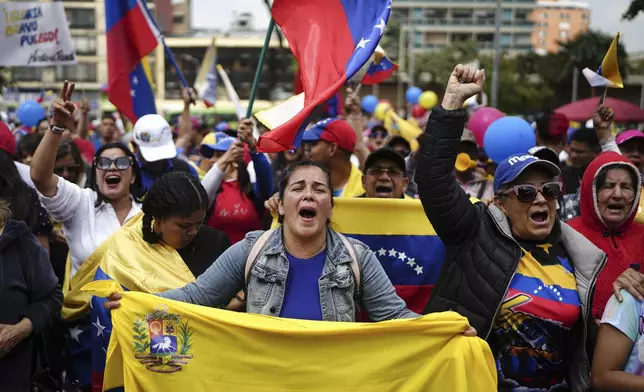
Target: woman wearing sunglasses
{"points": [[89, 216], [522, 278]]}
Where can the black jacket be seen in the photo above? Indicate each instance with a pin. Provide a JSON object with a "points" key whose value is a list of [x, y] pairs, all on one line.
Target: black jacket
{"points": [[481, 254], [28, 288]]}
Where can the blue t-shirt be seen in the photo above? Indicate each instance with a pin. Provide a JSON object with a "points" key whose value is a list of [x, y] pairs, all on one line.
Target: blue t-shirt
{"points": [[302, 294], [628, 317]]}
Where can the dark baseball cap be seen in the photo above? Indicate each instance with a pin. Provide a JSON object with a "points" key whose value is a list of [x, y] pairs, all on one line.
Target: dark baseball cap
{"points": [[513, 166], [386, 153]]}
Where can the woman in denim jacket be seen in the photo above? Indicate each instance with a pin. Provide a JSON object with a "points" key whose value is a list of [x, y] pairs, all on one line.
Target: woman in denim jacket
{"points": [[304, 269]]}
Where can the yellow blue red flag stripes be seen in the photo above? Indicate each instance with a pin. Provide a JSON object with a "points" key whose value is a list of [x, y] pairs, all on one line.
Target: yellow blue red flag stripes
{"points": [[608, 73], [163, 345], [404, 241]]}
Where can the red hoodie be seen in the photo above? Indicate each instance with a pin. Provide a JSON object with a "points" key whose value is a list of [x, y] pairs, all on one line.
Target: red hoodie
{"points": [[624, 246]]}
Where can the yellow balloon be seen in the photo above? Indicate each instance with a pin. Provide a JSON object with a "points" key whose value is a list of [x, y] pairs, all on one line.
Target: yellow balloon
{"points": [[428, 100], [381, 110]]}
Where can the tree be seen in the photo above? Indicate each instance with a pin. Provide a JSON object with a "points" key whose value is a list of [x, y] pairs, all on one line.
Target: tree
{"points": [[634, 9], [391, 38], [439, 64]]}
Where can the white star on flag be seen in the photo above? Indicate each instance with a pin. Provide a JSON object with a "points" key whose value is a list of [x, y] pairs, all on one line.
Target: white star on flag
{"points": [[133, 93], [135, 80], [99, 327], [362, 44], [419, 270], [381, 26], [402, 256], [392, 252], [382, 252], [411, 262], [389, 6], [75, 333]]}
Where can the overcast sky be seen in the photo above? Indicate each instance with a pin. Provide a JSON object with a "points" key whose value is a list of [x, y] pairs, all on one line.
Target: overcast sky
{"points": [[606, 16]]}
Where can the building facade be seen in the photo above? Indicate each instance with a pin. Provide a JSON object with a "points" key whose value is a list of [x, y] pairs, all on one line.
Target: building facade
{"points": [[438, 24], [558, 21]]}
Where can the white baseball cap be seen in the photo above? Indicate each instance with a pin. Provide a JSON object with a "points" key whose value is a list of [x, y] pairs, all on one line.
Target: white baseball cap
{"points": [[153, 136]]}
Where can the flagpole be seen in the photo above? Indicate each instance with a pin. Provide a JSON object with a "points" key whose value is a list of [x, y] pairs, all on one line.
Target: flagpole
{"points": [[603, 98], [358, 88], [260, 65]]}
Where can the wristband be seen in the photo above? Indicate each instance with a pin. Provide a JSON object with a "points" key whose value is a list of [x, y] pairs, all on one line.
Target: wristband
{"points": [[57, 130]]}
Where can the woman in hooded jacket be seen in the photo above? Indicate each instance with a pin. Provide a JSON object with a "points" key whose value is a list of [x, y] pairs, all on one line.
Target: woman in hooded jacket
{"points": [[609, 198]]}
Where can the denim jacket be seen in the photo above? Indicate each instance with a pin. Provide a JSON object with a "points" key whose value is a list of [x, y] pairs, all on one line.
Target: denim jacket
{"points": [[267, 281]]}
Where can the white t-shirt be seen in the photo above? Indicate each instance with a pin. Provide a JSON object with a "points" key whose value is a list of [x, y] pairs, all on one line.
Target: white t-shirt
{"points": [[84, 225]]}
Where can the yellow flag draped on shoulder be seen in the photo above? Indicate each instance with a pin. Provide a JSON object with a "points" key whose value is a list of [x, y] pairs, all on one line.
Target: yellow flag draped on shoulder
{"points": [[76, 301], [163, 345]]}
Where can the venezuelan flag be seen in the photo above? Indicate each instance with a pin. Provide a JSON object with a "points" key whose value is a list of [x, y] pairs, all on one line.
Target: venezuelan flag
{"points": [[402, 238], [608, 73], [163, 345], [380, 69], [131, 36]]}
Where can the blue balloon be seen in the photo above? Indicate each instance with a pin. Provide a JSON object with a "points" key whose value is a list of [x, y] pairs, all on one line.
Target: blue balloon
{"points": [[507, 136], [30, 112], [369, 103], [413, 95]]}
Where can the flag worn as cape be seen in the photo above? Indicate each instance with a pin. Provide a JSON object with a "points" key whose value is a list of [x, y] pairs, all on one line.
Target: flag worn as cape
{"points": [[331, 40], [608, 73], [206, 83], [131, 37], [158, 345], [134, 264], [402, 238]]}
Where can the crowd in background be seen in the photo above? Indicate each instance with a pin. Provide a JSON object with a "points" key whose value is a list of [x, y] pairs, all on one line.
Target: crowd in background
{"points": [[543, 248]]}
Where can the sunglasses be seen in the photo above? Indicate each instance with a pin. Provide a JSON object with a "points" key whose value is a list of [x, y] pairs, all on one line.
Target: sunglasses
{"points": [[379, 171], [527, 193], [376, 134], [121, 163], [60, 170]]}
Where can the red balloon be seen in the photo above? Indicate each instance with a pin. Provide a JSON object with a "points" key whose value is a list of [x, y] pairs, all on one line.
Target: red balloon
{"points": [[481, 119], [418, 111]]}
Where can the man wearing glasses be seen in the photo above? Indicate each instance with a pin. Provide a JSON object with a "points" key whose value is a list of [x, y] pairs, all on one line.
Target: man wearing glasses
{"points": [[385, 175]]}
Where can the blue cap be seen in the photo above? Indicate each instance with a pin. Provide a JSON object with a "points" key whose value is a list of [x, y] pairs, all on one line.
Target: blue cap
{"points": [[512, 167], [222, 145]]}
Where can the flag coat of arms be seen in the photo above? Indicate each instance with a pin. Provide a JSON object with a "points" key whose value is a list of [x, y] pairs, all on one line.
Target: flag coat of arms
{"points": [[131, 36], [608, 73], [331, 40], [221, 350]]}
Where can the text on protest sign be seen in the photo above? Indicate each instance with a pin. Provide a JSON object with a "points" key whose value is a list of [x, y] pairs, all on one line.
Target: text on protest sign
{"points": [[35, 35]]}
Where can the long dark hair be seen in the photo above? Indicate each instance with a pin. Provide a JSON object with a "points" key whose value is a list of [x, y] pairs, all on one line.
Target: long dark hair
{"points": [[292, 168], [15, 191], [136, 189], [174, 194]]}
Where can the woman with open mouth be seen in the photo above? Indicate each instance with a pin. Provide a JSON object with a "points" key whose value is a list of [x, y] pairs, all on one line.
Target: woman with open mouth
{"points": [[89, 216], [523, 278], [609, 198], [303, 269]]}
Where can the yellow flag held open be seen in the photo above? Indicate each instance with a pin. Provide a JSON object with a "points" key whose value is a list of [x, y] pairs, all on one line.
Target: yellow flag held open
{"points": [[608, 73], [396, 125], [163, 345]]}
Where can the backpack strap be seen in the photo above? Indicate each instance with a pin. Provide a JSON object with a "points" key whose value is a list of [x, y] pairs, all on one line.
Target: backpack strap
{"points": [[355, 266], [255, 250]]}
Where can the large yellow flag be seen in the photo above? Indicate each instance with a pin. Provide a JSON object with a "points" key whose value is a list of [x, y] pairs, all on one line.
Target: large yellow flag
{"points": [[163, 345]]}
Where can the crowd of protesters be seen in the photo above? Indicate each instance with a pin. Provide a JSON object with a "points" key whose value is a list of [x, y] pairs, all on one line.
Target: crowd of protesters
{"points": [[543, 249]]}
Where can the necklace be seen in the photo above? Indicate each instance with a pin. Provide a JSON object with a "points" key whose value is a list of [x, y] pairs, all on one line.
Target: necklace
{"points": [[304, 258]]}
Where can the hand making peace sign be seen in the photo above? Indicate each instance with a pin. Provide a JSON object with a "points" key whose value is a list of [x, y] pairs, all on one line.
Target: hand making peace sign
{"points": [[62, 108]]}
